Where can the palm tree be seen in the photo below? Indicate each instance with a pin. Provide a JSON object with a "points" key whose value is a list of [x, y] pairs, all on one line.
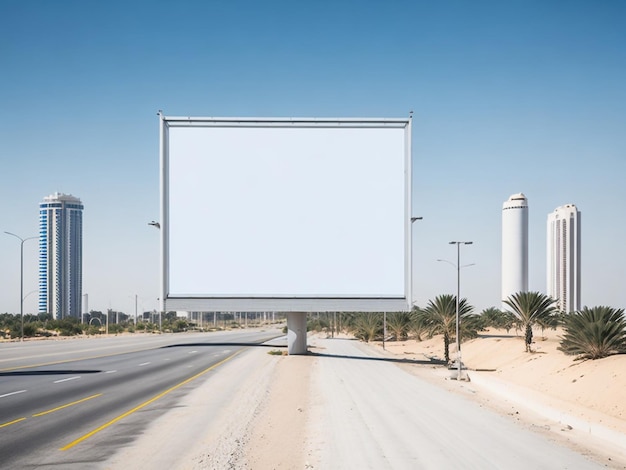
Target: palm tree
{"points": [[398, 323], [440, 314], [418, 325], [593, 333], [367, 326], [530, 308], [496, 318]]}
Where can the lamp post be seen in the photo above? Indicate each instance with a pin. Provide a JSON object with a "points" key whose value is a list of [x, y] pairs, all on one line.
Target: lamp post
{"points": [[458, 293], [22, 240], [157, 225]]}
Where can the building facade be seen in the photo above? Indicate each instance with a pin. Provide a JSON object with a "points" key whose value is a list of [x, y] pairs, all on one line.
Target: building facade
{"points": [[563, 257], [60, 255], [514, 246]]}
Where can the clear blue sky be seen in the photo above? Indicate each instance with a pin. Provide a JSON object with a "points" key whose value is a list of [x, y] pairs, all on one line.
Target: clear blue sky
{"points": [[516, 96]]}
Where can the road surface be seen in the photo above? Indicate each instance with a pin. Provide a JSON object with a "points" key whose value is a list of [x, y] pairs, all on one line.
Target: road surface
{"points": [[372, 414], [78, 401]]}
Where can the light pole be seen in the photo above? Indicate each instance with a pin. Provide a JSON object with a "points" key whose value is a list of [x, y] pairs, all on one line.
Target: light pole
{"points": [[384, 328], [22, 240], [458, 293], [157, 225]]}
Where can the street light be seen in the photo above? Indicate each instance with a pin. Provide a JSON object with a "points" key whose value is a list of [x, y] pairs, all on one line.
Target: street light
{"points": [[157, 225], [454, 265], [22, 240], [458, 293]]}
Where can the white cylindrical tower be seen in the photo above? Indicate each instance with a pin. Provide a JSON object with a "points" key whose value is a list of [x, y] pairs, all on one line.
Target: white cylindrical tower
{"points": [[514, 245]]}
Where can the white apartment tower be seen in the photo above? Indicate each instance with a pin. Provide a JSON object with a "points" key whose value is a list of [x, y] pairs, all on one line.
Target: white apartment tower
{"points": [[563, 263], [60, 255], [514, 245]]}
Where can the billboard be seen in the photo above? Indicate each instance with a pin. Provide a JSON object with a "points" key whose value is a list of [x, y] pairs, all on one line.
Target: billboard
{"points": [[283, 214]]}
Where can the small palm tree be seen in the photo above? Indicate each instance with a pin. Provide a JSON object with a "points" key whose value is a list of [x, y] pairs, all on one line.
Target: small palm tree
{"points": [[419, 323], [496, 318], [398, 323], [530, 308], [367, 326], [594, 333], [441, 318]]}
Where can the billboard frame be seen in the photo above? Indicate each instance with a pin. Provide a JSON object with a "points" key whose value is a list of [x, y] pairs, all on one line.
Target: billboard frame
{"points": [[280, 303]]}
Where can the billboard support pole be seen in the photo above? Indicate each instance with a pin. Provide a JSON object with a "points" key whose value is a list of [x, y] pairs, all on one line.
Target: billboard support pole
{"points": [[296, 333]]}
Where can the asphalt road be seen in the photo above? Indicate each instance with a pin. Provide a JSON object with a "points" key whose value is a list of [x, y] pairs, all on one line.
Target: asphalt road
{"points": [[77, 401]]}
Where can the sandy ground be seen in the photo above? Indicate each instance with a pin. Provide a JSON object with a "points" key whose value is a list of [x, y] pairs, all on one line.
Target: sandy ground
{"points": [[594, 391], [271, 419], [579, 404]]}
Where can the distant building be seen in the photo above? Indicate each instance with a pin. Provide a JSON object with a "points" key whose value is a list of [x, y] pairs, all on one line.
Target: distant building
{"points": [[563, 263], [514, 245], [60, 255]]}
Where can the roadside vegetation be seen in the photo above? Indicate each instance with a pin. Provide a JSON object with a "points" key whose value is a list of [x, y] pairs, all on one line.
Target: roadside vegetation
{"points": [[594, 333], [95, 323], [440, 319], [531, 308], [591, 333]]}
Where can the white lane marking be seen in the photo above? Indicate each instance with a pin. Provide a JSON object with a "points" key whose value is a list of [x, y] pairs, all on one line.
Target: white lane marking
{"points": [[12, 393], [110, 372], [144, 364], [67, 380], [221, 353], [192, 352]]}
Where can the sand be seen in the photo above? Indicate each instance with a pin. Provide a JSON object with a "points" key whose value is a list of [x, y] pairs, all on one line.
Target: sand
{"points": [[592, 389], [577, 403]]}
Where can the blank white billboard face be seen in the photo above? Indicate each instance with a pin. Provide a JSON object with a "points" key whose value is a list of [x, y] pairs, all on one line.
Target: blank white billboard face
{"points": [[274, 216]]}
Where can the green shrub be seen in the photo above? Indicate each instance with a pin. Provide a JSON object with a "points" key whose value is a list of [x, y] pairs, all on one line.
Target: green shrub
{"points": [[398, 324], [30, 330], [593, 333], [318, 324], [367, 326]]}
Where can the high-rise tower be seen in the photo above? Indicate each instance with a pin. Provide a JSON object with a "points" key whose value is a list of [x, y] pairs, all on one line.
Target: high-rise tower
{"points": [[563, 263], [514, 245], [60, 255]]}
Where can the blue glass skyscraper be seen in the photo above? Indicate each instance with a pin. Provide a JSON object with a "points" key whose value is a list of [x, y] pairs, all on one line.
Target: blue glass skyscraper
{"points": [[60, 255]]}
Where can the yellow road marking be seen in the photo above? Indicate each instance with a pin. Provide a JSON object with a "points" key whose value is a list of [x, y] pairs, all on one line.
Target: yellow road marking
{"points": [[146, 403], [12, 422], [51, 411], [65, 406]]}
